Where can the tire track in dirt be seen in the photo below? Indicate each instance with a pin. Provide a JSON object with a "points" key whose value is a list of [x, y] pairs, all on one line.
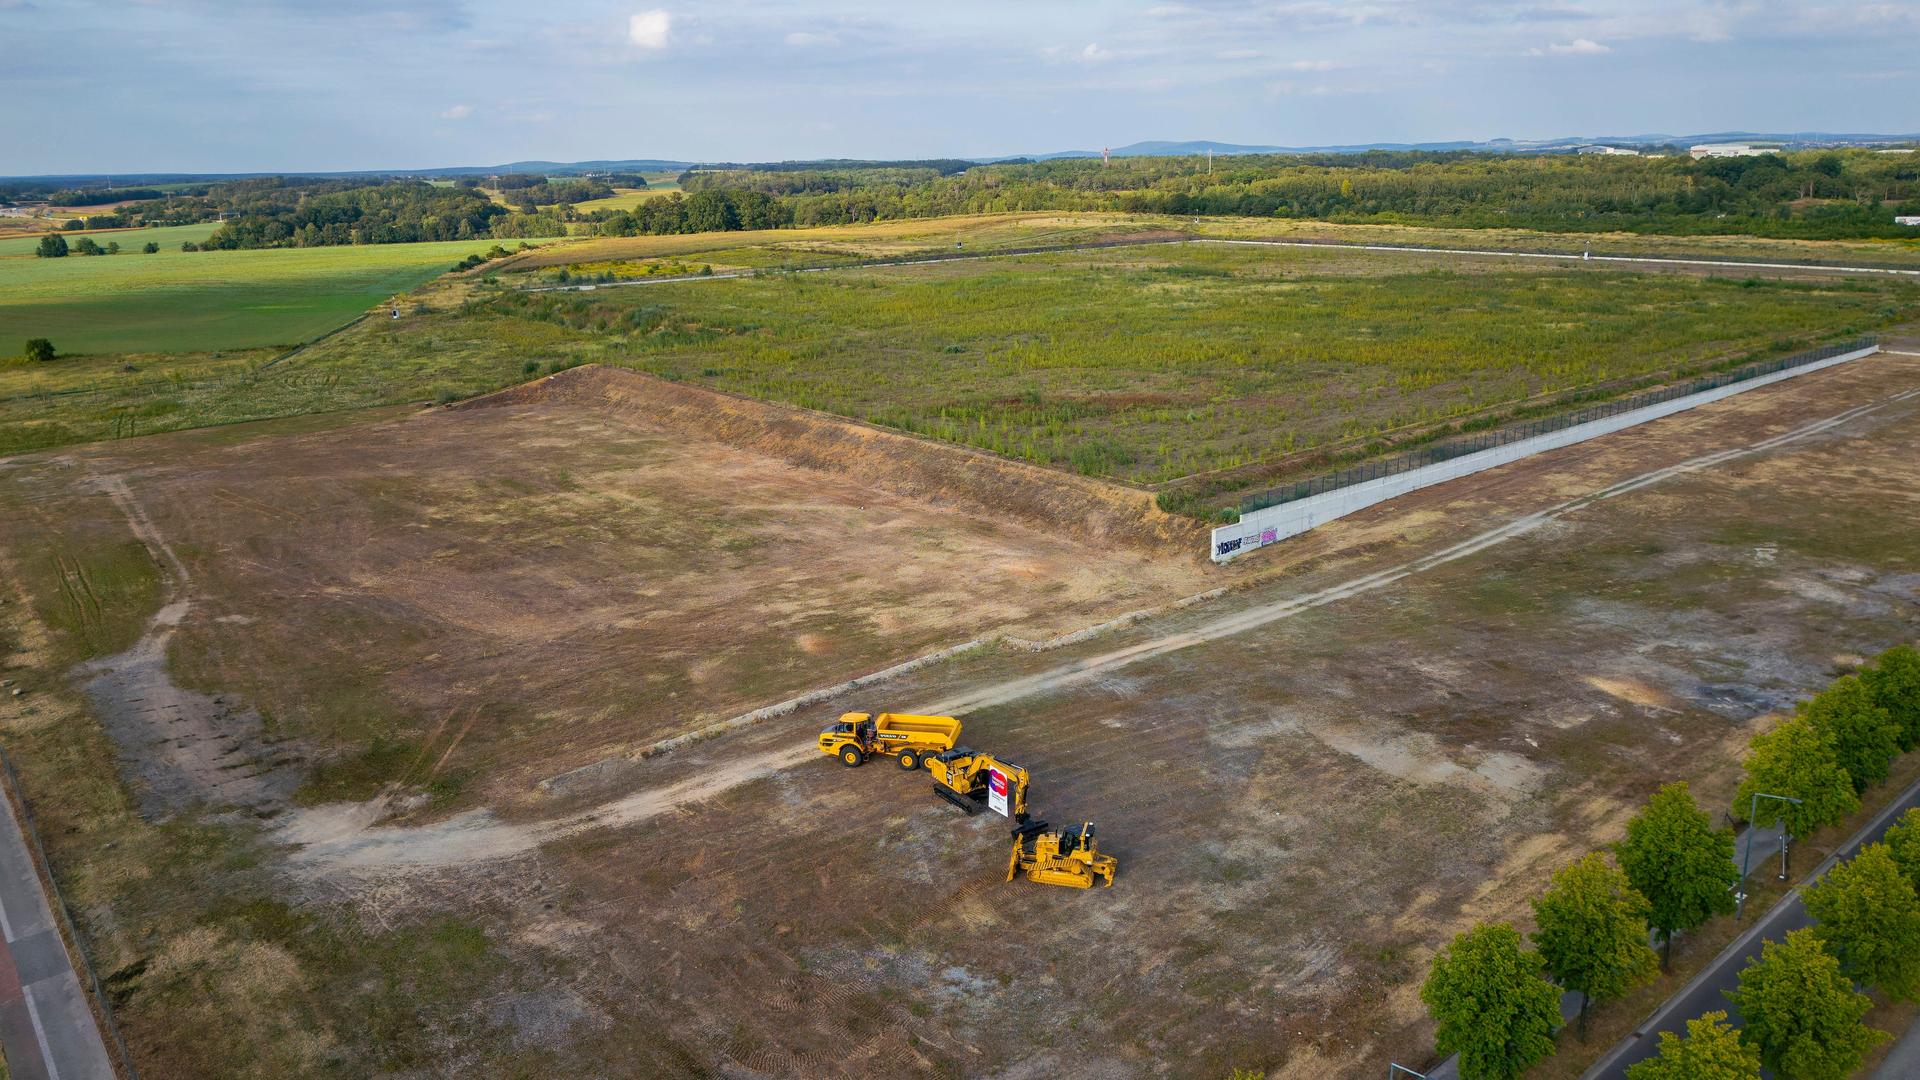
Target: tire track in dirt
{"points": [[183, 747], [345, 838]]}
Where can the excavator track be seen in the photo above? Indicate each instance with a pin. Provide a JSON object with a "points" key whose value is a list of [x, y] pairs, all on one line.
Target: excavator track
{"points": [[970, 805]]}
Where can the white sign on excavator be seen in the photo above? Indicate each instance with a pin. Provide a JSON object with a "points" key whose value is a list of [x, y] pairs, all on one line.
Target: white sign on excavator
{"points": [[997, 792]]}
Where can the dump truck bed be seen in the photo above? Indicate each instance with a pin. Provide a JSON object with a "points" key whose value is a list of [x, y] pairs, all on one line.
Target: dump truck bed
{"points": [[923, 729]]}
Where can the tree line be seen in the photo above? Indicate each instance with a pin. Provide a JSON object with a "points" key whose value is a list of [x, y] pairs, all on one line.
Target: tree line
{"points": [[1497, 1001]]}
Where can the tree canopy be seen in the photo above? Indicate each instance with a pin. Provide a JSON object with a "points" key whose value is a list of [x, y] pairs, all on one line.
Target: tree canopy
{"points": [[1592, 932], [1868, 914], [1673, 856], [1865, 738], [1801, 1012], [1799, 761], [1711, 1050], [1903, 843], [1492, 1007], [1894, 682]]}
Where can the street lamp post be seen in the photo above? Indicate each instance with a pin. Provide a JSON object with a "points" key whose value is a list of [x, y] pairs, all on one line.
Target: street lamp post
{"points": [[1746, 861], [1396, 1071]]}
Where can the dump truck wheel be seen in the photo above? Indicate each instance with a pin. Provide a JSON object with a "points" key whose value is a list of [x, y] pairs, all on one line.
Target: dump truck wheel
{"points": [[909, 760], [851, 757]]}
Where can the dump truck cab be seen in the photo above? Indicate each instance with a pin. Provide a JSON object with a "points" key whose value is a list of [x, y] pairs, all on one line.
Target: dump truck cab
{"points": [[906, 738]]}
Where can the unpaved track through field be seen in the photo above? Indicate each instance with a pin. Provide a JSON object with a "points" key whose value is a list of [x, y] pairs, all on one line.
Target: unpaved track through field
{"points": [[186, 748], [345, 838]]}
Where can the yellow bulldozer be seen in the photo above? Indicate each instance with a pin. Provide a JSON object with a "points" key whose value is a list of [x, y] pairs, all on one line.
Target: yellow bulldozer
{"points": [[1064, 857]]}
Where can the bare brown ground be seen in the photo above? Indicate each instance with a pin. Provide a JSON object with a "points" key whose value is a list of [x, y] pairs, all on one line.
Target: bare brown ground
{"points": [[573, 572], [1303, 810], [1306, 797]]}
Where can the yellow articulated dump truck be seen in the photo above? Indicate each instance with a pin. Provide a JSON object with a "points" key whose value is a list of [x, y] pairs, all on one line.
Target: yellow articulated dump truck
{"points": [[908, 739]]}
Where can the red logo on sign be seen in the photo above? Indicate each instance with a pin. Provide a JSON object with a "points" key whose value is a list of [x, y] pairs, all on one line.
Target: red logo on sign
{"points": [[998, 782]]}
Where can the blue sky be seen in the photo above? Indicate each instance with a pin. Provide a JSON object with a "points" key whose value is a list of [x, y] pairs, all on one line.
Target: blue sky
{"points": [[250, 85]]}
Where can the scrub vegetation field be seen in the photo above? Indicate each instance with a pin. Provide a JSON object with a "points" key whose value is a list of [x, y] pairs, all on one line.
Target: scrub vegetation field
{"points": [[1150, 364]]}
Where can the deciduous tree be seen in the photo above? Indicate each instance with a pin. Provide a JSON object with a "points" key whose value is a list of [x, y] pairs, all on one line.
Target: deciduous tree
{"points": [[1491, 1005], [1711, 1050], [1801, 1013], [1684, 866], [52, 246], [1592, 932], [1903, 843], [1865, 738], [1866, 911], [39, 349], [1894, 682], [1796, 760]]}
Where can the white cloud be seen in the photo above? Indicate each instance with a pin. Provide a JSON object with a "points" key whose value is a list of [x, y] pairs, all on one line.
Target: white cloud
{"points": [[1237, 54], [650, 29], [1576, 47], [457, 112], [1093, 53], [803, 39], [1311, 65]]}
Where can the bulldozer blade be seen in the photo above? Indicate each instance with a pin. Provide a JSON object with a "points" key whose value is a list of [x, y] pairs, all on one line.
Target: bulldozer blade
{"points": [[957, 799], [1027, 829]]}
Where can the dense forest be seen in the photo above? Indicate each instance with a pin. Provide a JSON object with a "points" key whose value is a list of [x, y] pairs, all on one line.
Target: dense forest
{"points": [[1810, 195], [398, 213]]}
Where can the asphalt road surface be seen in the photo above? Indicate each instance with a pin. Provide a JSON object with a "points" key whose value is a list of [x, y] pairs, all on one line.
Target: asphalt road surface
{"points": [[46, 1027]]}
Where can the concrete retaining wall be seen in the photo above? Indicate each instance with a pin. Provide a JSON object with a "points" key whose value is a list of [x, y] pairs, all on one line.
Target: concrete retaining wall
{"points": [[1276, 523]]}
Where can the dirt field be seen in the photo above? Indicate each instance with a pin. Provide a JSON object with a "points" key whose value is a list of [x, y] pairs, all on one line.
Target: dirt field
{"points": [[587, 565], [1394, 726]]}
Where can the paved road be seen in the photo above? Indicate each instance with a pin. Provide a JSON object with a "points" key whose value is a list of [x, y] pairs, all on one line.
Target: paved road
{"points": [[1707, 990], [1904, 1062], [46, 1027]]}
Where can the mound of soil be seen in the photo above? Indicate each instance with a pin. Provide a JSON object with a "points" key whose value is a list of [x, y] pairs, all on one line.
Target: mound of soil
{"points": [[1080, 509]]}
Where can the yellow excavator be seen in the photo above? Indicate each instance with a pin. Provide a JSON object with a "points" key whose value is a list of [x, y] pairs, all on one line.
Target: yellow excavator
{"points": [[973, 780], [1065, 857]]}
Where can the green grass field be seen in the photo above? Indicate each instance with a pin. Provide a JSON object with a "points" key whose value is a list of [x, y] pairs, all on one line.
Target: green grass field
{"points": [[1151, 364], [180, 302], [169, 237]]}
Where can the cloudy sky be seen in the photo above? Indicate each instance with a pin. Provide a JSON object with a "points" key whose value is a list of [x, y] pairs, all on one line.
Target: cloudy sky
{"points": [[247, 85]]}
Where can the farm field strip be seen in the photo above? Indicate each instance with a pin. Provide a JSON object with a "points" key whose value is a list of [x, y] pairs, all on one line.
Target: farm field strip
{"points": [[1725, 264], [177, 301]]}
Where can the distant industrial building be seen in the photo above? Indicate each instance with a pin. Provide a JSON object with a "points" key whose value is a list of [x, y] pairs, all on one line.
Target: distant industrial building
{"points": [[1908, 219], [1730, 149], [1596, 148]]}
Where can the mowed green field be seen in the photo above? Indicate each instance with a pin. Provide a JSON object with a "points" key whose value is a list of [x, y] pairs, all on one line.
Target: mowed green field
{"points": [[169, 237], [177, 302]]}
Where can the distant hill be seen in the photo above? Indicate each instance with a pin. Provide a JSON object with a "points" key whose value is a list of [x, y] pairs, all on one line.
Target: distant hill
{"points": [[1153, 148], [1791, 140]]}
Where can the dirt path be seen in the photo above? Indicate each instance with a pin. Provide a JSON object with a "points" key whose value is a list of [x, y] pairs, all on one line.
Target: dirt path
{"points": [[347, 839], [182, 748]]}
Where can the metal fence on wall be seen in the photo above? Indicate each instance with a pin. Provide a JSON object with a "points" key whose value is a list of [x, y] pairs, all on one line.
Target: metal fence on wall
{"points": [[1461, 447]]}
